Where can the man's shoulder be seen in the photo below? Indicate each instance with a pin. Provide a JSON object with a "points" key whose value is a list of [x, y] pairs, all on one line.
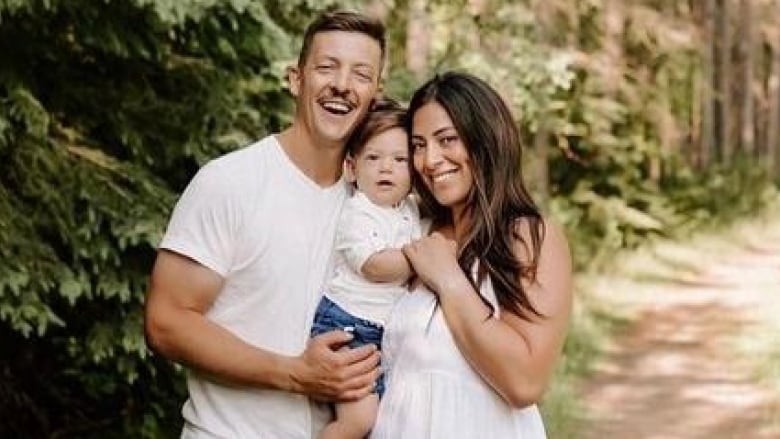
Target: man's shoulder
{"points": [[246, 156], [236, 169]]}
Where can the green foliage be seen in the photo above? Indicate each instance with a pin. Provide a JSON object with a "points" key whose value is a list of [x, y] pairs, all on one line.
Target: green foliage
{"points": [[720, 194], [107, 108]]}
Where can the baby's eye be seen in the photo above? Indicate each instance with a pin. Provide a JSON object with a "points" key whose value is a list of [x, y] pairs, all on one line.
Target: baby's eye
{"points": [[372, 157], [401, 159]]}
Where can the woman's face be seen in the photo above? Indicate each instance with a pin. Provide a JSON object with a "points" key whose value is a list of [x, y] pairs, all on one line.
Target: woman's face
{"points": [[440, 157]]}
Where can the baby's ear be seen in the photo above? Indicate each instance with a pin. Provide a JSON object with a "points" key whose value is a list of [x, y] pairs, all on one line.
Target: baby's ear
{"points": [[349, 169]]}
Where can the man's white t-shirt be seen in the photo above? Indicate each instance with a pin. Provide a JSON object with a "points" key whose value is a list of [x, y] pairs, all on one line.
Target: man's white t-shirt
{"points": [[364, 229], [254, 218]]}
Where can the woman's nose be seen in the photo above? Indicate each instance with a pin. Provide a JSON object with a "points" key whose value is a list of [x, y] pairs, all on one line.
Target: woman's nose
{"points": [[433, 156]]}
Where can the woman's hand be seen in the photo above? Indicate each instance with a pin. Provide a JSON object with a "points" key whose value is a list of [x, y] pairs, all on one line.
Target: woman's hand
{"points": [[434, 259]]}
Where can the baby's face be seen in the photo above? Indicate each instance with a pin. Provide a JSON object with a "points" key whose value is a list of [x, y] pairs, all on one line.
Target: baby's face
{"points": [[382, 168]]}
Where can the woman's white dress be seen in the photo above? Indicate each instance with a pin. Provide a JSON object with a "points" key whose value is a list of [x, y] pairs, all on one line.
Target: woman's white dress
{"points": [[432, 392]]}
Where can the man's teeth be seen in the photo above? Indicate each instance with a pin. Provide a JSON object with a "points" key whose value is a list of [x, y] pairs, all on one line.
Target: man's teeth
{"points": [[336, 107]]}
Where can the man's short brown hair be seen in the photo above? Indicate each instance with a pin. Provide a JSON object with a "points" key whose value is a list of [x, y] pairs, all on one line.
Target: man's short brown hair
{"points": [[346, 21]]}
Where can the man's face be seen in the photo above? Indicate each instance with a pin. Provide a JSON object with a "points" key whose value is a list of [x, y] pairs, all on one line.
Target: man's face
{"points": [[335, 86]]}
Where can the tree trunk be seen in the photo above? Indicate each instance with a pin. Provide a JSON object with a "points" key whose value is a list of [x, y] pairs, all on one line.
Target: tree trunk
{"points": [[692, 148], [747, 129], [541, 139], [417, 39], [725, 145], [773, 94], [378, 9], [613, 45], [476, 7], [707, 83]]}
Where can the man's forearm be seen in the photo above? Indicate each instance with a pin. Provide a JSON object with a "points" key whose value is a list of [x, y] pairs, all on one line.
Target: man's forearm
{"points": [[196, 342]]}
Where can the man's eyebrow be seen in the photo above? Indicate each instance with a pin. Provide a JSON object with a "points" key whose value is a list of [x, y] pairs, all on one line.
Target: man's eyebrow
{"points": [[365, 65], [329, 58]]}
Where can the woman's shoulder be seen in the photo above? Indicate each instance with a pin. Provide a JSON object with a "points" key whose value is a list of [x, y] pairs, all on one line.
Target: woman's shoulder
{"points": [[543, 225], [550, 288], [549, 233]]}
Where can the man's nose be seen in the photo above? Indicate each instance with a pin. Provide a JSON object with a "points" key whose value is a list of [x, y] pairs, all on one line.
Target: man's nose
{"points": [[341, 81]]}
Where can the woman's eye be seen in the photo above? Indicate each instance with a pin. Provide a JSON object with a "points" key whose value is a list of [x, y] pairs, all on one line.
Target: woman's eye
{"points": [[448, 139]]}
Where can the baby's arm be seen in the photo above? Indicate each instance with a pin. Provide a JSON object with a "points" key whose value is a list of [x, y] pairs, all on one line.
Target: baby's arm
{"points": [[388, 265], [363, 239]]}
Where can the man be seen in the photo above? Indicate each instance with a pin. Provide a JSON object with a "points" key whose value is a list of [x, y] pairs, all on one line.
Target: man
{"points": [[239, 271]]}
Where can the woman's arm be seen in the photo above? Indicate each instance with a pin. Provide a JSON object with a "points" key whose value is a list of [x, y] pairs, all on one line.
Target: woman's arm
{"points": [[516, 357]]}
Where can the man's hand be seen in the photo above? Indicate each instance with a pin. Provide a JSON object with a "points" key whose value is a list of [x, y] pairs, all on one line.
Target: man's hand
{"points": [[325, 372]]}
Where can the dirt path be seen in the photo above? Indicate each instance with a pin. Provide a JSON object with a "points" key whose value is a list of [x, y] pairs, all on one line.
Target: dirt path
{"points": [[677, 370]]}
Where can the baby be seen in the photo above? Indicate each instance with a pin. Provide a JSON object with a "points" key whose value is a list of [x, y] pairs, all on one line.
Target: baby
{"points": [[370, 269]]}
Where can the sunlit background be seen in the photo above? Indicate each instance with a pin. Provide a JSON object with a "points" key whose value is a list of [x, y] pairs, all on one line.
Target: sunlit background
{"points": [[652, 133]]}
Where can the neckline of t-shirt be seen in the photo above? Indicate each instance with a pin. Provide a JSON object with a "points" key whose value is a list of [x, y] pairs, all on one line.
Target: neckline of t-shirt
{"points": [[398, 208], [335, 187]]}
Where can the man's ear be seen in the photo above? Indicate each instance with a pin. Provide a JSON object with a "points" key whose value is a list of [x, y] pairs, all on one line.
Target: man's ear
{"points": [[293, 75]]}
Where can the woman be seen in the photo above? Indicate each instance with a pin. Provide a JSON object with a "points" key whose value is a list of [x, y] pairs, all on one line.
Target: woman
{"points": [[470, 350]]}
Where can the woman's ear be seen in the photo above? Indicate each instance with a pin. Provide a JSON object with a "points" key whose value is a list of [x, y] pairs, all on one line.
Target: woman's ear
{"points": [[349, 169]]}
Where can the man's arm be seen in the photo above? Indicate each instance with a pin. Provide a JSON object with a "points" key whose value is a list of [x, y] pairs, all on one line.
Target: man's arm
{"points": [[182, 291]]}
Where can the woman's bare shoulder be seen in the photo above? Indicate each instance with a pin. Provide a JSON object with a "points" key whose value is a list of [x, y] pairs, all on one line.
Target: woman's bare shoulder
{"points": [[550, 234]]}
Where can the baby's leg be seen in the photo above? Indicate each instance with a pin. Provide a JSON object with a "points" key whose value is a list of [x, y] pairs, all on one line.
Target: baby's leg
{"points": [[353, 419]]}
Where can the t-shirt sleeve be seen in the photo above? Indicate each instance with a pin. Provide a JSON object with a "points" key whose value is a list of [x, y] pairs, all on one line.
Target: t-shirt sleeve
{"points": [[359, 235], [205, 220]]}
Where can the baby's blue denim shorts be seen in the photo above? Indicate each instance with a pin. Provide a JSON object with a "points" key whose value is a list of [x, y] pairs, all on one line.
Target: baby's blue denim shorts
{"points": [[330, 316]]}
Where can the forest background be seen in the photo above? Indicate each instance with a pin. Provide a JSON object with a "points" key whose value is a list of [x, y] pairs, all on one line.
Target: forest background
{"points": [[641, 118]]}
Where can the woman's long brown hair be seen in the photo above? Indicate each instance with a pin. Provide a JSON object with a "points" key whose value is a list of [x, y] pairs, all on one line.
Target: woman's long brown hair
{"points": [[498, 201]]}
